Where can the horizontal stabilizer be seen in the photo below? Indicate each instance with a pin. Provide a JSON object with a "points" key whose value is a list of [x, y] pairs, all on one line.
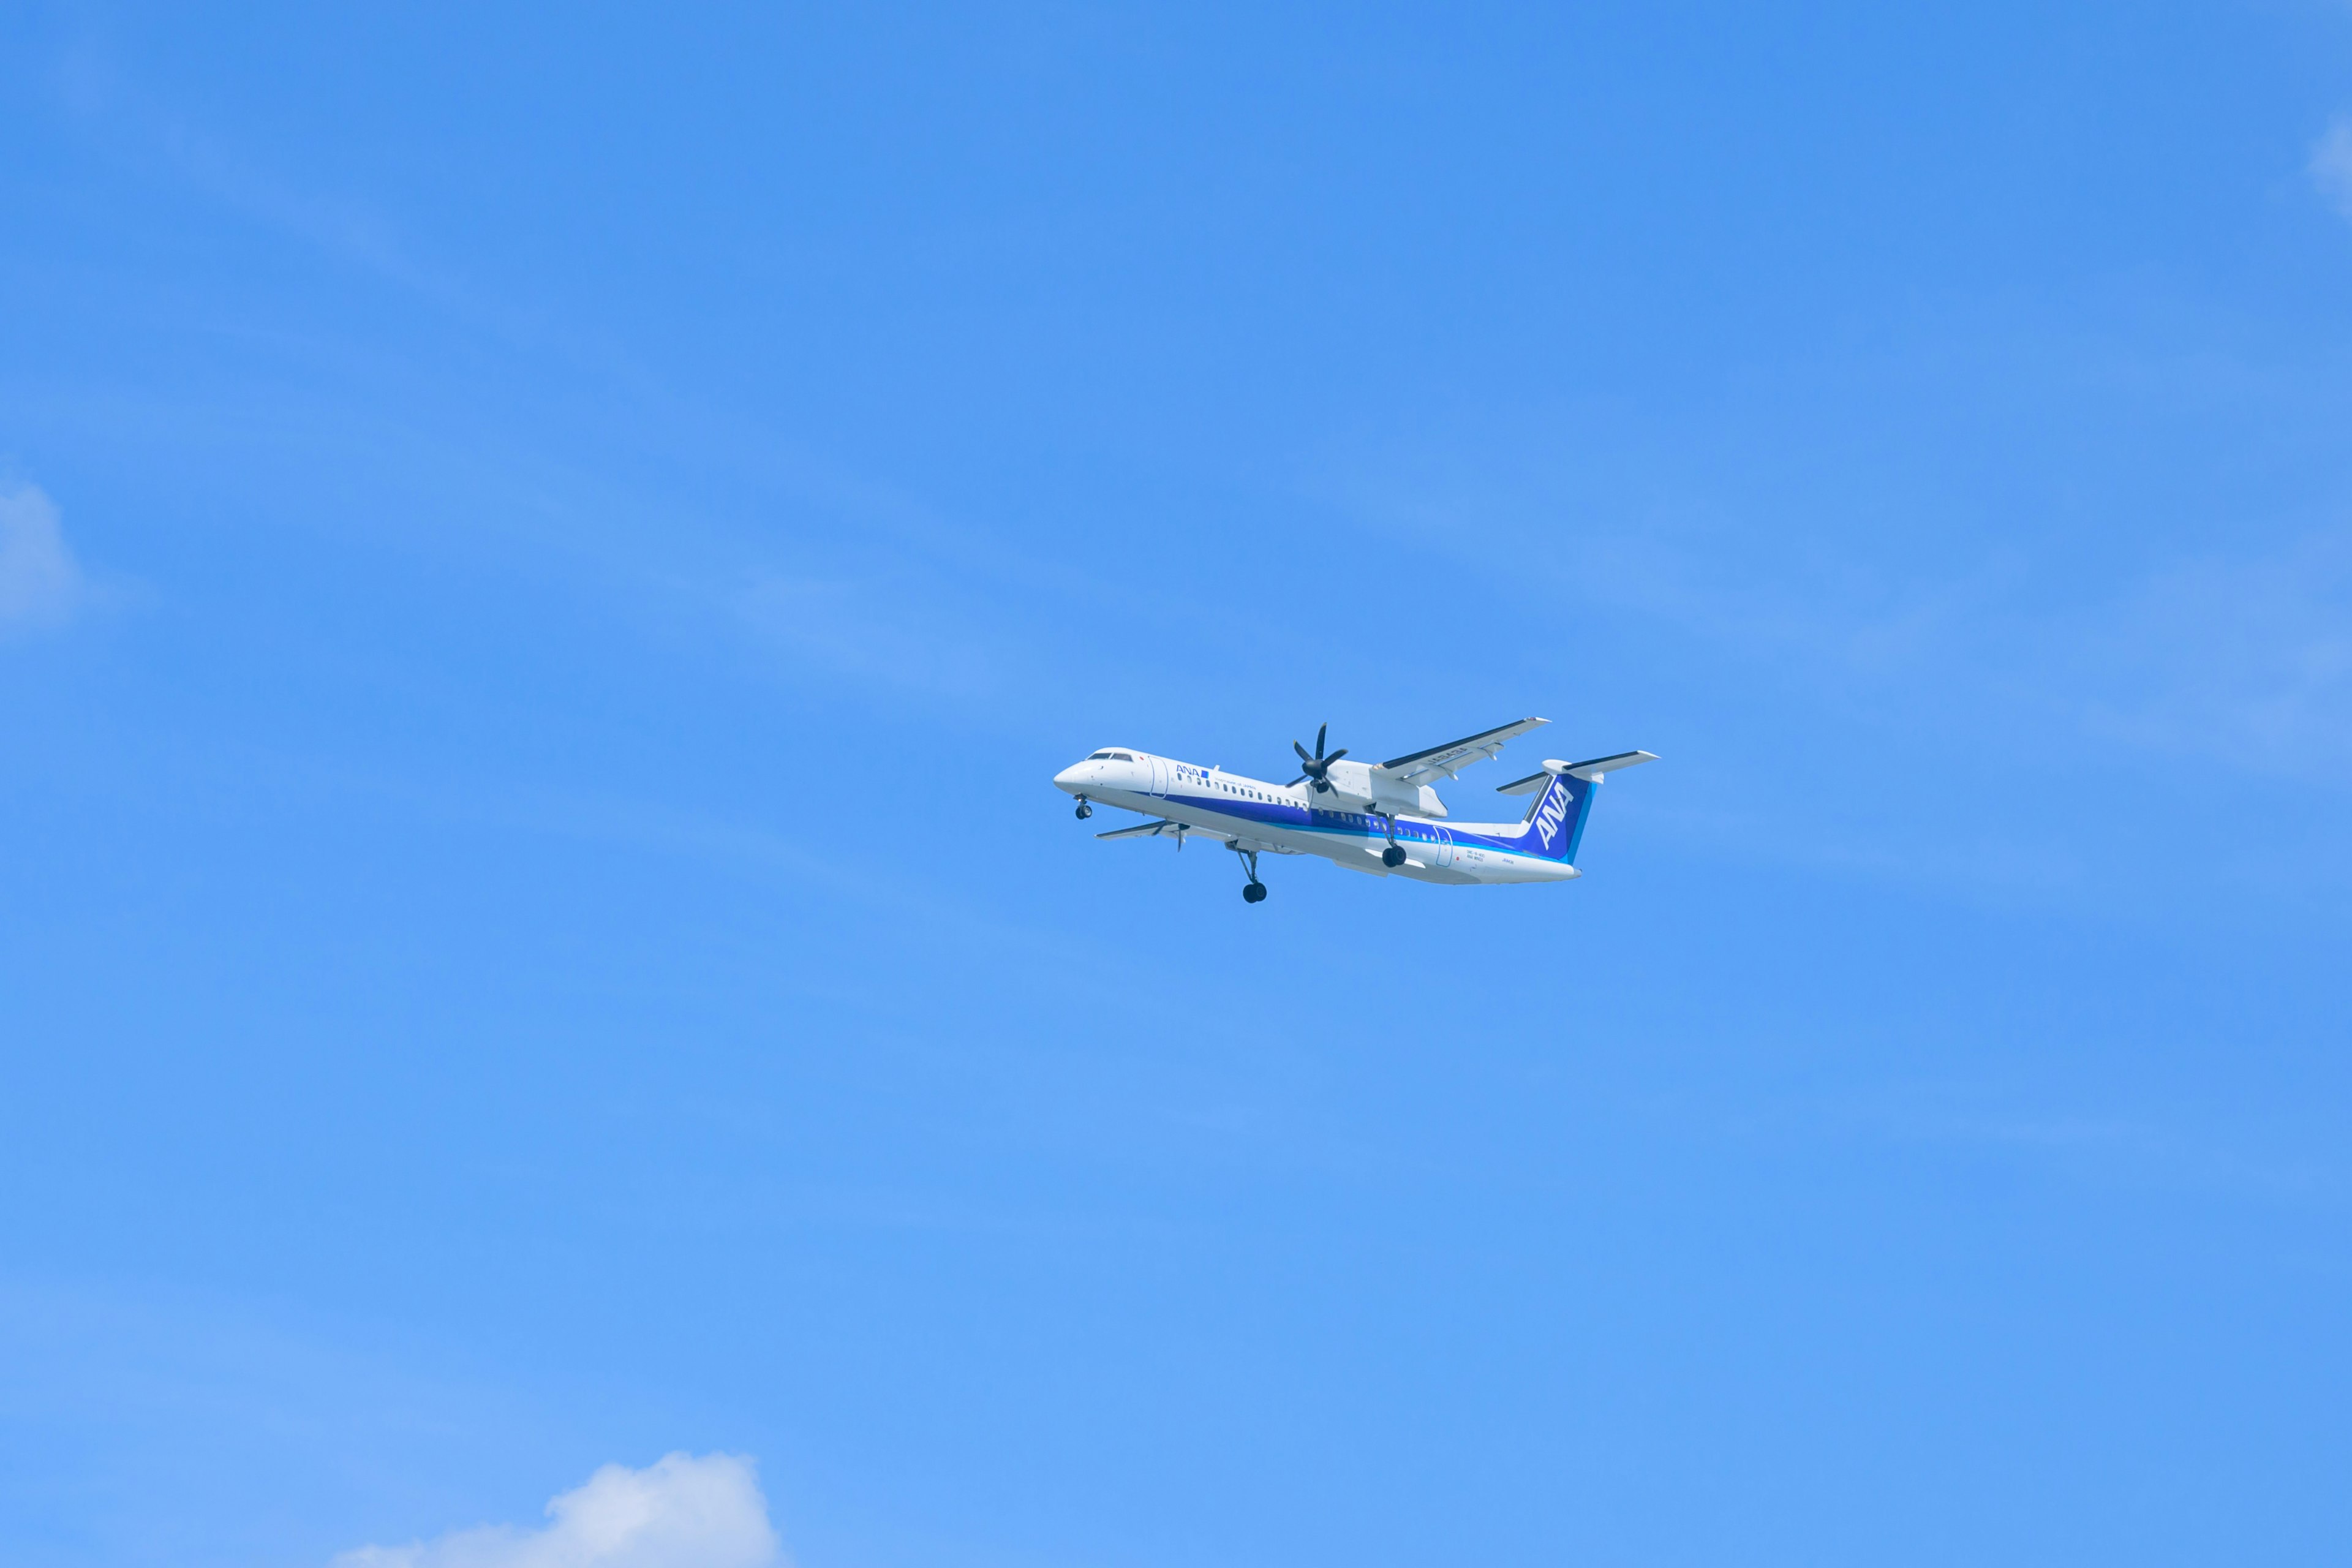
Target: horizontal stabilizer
{"points": [[1587, 770], [1599, 765]]}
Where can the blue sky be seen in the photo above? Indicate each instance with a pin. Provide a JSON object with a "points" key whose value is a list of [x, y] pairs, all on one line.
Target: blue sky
{"points": [[547, 561]]}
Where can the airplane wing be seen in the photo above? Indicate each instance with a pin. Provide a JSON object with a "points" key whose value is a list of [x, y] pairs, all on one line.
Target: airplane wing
{"points": [[1420, 767], [1164, 828], [1149, 830]]}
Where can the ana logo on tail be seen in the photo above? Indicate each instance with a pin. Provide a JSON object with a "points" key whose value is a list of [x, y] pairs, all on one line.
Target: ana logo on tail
{"points": [[1549, 815]]}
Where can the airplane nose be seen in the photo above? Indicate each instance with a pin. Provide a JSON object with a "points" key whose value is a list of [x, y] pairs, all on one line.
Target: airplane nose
{"points": [[1068, 777]]}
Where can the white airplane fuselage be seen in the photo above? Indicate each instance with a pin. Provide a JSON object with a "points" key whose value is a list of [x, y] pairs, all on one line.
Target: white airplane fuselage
{"points": [[1253, 815]]}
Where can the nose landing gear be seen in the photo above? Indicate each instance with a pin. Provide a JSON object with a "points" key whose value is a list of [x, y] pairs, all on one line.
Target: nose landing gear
{"points": [[1085, 810]]}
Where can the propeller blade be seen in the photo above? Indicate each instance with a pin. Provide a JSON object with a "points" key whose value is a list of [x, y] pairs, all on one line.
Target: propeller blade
{"points": [[1318, 766], [1299, 780]]}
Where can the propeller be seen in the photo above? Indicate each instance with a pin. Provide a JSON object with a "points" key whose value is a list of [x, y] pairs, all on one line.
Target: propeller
{"points": [[1318, 766]]}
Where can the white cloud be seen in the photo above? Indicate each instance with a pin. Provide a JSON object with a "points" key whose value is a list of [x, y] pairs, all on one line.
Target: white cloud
{"points": [[679, 1512], [40, 586], [2331, 164]]}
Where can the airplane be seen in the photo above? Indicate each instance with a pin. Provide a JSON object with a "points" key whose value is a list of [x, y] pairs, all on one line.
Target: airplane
{"points": [[1385, 819]]}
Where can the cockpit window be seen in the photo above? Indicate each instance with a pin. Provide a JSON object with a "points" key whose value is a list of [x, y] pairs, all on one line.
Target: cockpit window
{"points": [[1098, 756], [1120, 757]]}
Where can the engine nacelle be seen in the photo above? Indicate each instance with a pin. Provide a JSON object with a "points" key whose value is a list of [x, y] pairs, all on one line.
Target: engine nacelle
{"points": [[1357, 786], [1423, 801]]}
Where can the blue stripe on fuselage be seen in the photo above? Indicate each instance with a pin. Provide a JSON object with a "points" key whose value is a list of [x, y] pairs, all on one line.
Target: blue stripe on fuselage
{"points": [[1340, 824]]}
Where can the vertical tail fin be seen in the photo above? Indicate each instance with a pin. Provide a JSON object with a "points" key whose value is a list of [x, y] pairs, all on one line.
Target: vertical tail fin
{"points": [[1555, 824]]}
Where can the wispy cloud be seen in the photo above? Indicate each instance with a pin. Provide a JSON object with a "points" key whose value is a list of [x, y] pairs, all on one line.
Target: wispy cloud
{"points": [[2242, 659], [2238, 656], [102, 97], [41, 586], [679, 1512], [2331, 164], [898, 634], [2246, 660]]}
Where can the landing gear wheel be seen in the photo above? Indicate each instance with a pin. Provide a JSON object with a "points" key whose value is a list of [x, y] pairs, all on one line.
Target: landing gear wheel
{"points": [[1085, 810], [1392, 856], [1255, 892]]}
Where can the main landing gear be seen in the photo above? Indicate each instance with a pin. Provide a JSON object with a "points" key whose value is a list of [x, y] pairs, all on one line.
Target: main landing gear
{"points": [[1255, 893], [1393, 856], [1085, 810]]}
